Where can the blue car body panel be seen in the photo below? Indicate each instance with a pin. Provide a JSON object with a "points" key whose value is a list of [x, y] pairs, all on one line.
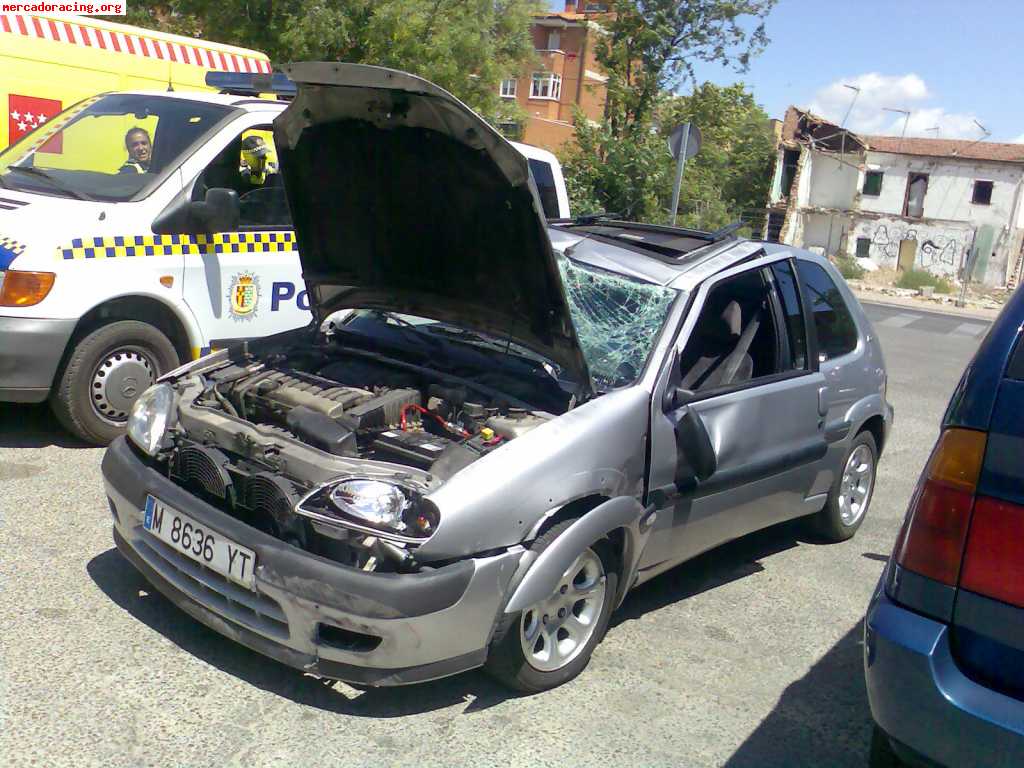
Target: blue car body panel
{"points": [[948, 691]]}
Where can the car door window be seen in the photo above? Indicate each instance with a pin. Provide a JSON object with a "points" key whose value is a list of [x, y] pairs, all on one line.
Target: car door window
{"points": [[735, 340], [248, 165], [544, 178], [833, 323], [789, 298]]}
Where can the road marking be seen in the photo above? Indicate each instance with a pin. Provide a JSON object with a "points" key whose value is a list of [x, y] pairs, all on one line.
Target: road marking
{"points": [[970, 329], [898, 321]]}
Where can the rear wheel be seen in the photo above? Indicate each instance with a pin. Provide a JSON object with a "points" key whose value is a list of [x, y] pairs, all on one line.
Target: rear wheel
{"points": [[851, 493], [550, 643], [104, 374]]}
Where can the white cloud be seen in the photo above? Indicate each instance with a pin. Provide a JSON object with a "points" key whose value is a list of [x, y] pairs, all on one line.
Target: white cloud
{"points": [[1018, 140], [907, 92]]}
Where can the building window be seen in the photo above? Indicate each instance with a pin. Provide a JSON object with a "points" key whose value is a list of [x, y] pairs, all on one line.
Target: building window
{"points": [[508, 88], [790, 159], [863, 247], [872, 183], [982, 193], [554, 41], [546, 85], [917, 188], [513, 131]]}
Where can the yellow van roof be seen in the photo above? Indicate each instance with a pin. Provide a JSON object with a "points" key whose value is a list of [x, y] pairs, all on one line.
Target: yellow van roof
{"points": [[135, 41]]}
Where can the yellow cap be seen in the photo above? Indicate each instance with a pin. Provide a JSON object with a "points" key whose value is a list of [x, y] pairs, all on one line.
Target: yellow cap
{"points": [[487, 433]]}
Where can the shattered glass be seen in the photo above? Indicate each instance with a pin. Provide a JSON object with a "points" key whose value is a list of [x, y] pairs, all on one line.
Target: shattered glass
{"points": [[617, 320]]}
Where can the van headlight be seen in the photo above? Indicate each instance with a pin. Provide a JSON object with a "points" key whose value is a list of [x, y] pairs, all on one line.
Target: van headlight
{"points": [[150, 417], [374, 504]]}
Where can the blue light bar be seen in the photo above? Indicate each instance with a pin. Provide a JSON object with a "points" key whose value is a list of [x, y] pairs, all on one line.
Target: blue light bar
{"points": [[251, 84]]}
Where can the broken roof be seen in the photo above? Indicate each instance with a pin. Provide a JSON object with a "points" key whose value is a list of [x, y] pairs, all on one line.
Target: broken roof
{"points": [[803, 127]]}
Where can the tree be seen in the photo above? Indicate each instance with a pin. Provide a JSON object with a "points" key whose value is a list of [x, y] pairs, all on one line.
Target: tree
{"points": [[728, 179], [649, 48], [465, 46]]}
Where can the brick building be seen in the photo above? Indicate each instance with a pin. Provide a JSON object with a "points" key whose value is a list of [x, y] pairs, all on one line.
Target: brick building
{"points": [[565, 74]]}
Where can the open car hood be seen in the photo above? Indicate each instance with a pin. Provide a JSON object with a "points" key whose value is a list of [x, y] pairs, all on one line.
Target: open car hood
{"points": [[405, 200]]}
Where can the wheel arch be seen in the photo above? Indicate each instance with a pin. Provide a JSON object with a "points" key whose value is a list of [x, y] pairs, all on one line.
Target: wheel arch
{"points": [[143, 308], [616, 519], [876, 426]]}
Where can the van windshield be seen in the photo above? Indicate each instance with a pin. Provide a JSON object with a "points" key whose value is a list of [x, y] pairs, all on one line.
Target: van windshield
{"points": [[112, 148]]}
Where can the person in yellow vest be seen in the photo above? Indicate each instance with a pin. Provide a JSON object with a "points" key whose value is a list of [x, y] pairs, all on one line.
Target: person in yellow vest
{"points": [[140, 151], [255, 168]]}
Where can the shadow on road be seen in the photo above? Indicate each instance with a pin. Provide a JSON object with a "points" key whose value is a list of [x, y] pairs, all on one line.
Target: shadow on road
{"points": [[730, 562], [33, 425], [128, 589], [822, 719]]}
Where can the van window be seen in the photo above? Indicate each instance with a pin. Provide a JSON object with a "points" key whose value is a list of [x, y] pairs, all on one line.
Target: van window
{"points": [[115, 147], [544, 178], [248, 165]]}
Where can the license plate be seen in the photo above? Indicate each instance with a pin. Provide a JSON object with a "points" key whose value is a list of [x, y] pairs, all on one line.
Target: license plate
{"points": [[185, 535]]}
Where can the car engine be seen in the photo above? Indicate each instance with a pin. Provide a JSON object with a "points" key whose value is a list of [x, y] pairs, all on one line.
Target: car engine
{"points": [[259, 438]]}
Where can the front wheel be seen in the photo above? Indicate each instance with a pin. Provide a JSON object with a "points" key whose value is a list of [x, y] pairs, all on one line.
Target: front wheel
{"points": [[550, 643], [851, 492], [104, 374]]}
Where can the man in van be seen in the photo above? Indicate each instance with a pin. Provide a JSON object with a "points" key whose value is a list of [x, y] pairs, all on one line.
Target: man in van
{"points": [[256, 169], [140, 151]]}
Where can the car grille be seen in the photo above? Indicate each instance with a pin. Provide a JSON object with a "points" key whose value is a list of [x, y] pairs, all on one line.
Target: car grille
{"points": [[211, 590]]}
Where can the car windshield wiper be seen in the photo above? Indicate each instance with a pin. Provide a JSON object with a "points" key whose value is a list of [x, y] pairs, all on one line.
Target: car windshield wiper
{"points": [[472, 337], [57, 183]]}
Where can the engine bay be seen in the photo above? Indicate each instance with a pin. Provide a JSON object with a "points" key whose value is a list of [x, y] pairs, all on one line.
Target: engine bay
{"points": [[262, 436]]}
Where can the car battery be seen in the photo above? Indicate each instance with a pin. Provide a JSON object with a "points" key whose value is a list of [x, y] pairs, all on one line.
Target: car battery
{"points": [[421, 449]]}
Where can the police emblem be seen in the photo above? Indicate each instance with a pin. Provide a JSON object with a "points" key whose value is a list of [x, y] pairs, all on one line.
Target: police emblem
{"points": [[244, 295]]}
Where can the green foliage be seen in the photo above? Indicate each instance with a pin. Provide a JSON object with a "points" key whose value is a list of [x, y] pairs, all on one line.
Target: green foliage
{"points": [[622, 164], [465, 46], [849, 268], [919, 278]]}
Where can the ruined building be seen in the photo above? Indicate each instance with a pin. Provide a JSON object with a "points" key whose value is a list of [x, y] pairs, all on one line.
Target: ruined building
{"points": [[945, 206]]}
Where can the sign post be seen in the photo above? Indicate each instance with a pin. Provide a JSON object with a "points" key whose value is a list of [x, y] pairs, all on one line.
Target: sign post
{"points": [[683, 143]]}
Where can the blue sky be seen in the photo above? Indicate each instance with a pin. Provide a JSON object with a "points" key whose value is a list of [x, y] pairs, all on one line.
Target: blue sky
{"points": [[947, 62]]}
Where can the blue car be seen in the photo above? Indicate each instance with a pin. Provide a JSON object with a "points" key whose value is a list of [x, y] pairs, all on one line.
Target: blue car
{"points": [[944, 634]]}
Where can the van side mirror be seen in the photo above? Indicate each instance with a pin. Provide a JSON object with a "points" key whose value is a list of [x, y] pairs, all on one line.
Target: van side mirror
{"points": [[693, 446], [219, 212]]}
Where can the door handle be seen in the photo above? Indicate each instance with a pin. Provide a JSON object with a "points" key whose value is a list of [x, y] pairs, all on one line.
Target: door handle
{"points": [[823, 401]]}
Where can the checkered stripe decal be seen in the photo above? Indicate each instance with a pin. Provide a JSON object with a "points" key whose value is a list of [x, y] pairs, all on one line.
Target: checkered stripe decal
{"points": [[12, 245], [132, 246]]}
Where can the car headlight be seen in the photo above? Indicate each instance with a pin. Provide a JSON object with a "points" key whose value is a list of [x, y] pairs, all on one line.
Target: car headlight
{"points": [[150, 417], [372, 503]]}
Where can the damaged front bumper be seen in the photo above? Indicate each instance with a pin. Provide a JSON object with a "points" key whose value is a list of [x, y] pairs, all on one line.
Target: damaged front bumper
{"points": [[309, 612]]}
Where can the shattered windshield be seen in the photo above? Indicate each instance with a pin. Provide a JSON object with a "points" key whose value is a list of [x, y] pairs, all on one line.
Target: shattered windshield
{"points": [[617, 320]]}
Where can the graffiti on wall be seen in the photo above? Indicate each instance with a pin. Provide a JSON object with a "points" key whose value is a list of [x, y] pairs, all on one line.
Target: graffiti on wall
{"points": [[938, 248]]}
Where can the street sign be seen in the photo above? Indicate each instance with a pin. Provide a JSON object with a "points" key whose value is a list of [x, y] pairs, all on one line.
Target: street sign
{"points": [[683, 143], [675, 140]]}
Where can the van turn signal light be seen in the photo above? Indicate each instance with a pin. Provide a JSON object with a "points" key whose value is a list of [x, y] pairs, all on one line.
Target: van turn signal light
{"points": [[24, 289], [167, 281]]}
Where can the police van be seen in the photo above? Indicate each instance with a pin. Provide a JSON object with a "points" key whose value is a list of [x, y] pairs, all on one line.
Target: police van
{"points": [[140, 230]]}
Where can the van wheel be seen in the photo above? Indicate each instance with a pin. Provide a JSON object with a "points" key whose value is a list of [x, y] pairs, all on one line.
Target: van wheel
{"points": [[550, 643], [104, 374], [851, 492]]}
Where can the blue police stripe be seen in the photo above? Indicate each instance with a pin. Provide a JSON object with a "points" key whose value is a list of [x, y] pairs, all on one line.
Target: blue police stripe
{"points": [[6, 257]]}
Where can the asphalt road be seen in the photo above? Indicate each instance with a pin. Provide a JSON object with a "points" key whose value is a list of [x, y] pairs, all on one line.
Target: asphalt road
{"points": [[747, 656]]}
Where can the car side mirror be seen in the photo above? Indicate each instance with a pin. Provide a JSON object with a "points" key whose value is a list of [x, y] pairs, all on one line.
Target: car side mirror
{"points": [[693, 446], [219, 212], [676, 398]]}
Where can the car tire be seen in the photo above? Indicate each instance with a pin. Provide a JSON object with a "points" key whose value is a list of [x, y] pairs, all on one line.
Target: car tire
{"points": [[850, 496], [882, 754], [508, 660], [104, 373]]}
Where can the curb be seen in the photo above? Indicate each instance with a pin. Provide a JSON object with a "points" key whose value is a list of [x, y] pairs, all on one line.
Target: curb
{"points": [[965, 313]]}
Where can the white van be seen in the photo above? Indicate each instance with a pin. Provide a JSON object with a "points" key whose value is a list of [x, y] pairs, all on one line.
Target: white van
{"points": [[105, 283]]}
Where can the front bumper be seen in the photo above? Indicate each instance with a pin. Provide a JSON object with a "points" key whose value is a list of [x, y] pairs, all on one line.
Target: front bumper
{"points": [[922, 700], [30, 351], [429, 624]]}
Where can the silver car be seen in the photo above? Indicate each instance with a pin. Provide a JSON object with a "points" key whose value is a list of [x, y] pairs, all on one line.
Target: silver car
{"points": [[496, 426]]}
